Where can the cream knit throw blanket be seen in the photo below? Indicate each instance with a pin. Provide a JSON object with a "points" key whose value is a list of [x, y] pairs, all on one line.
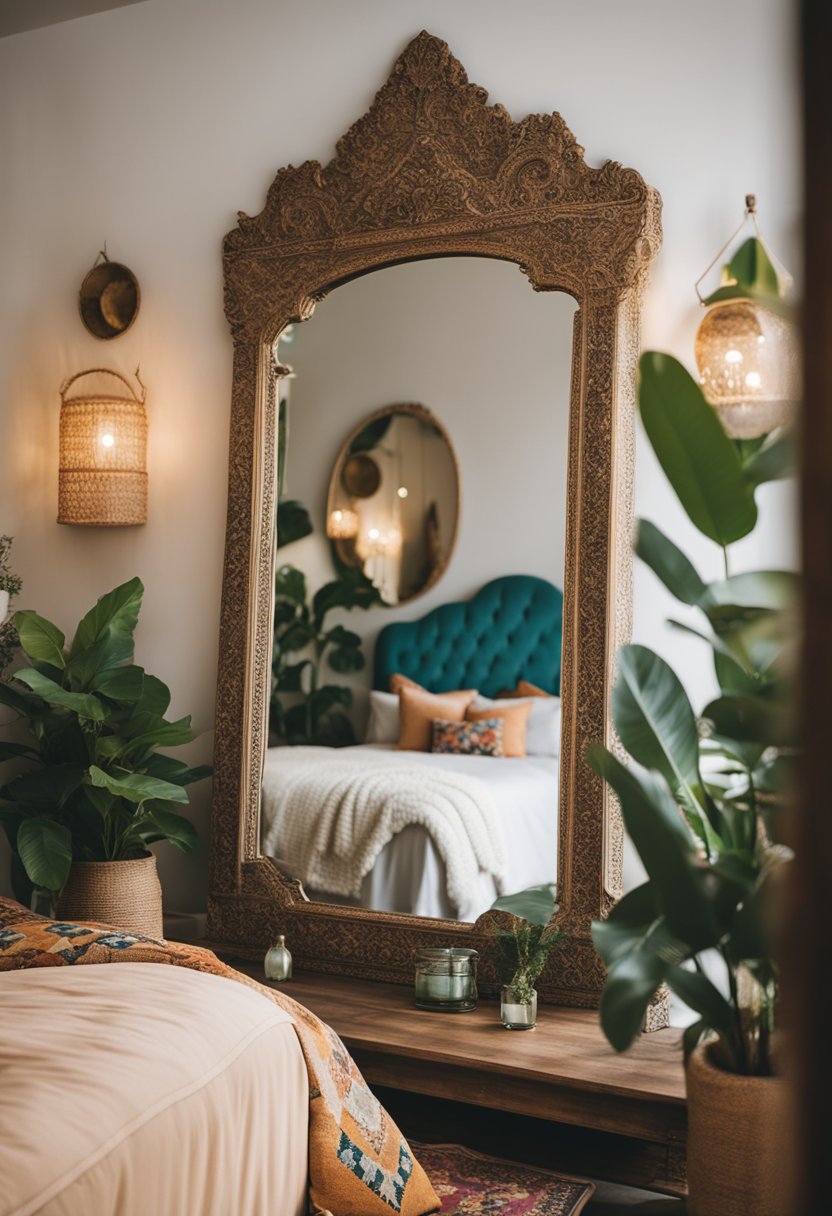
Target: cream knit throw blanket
{"points": [[329, 818]]}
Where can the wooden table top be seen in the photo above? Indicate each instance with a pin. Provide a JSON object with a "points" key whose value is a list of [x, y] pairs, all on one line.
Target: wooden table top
{"points": [[567, 1047]]}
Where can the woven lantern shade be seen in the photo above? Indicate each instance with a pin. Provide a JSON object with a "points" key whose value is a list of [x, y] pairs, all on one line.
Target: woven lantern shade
{"points": [[342, 524], [747, 367], [102, 474]]}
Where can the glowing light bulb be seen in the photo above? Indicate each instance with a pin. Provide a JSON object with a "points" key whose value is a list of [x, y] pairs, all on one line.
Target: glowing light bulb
{"points": [[753, 380], [108, 440], [733, 356], [402, 491], [373, 533]]}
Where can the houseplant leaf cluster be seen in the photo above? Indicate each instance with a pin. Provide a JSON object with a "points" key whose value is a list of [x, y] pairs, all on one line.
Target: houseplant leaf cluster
{"points": [[91, 784], [303, 644], [702, 793], [524, 949]]}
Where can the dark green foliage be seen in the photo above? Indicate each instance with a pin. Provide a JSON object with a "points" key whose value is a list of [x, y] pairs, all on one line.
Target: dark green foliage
{"points": [[710, 884], [524, 949], [91, 785], [316, 715]]}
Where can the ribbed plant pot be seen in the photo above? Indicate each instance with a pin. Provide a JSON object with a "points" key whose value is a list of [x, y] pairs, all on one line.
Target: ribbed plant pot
{"points": [[737, 1141], [125, 894]]}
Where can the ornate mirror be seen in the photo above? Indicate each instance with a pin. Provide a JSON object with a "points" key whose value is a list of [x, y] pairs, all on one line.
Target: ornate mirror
{"points": [[433, 201], [393, 502]]}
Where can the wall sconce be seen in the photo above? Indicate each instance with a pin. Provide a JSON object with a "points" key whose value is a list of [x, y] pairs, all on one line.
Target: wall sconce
{"points": [[744, 351], [342, 524], [102, 463]]}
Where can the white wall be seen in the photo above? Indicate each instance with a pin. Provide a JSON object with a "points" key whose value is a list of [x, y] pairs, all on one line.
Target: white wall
{"points": [[150, 126]]}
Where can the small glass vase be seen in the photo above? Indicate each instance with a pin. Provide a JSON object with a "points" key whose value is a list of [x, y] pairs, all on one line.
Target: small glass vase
{"points": [[278, 962], [517, 1012]]}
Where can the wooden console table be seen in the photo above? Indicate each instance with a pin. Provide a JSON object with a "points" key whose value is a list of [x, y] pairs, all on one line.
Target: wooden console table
{"points": [[556, 1096]]}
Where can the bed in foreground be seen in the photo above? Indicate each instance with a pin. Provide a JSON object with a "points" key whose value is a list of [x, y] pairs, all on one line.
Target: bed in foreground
{"points": [[173, 1083]]}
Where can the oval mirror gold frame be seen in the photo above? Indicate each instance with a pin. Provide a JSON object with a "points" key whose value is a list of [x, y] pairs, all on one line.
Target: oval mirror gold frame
{"points": [[489, 187], [341, 492]]}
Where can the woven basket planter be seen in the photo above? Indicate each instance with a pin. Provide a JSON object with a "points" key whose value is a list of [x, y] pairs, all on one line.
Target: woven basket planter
{"points": [[738, 1139], [125, 894]]}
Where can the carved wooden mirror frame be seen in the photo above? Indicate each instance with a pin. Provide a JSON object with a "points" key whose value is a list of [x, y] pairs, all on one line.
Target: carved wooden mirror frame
{"points": [[430, 171]]}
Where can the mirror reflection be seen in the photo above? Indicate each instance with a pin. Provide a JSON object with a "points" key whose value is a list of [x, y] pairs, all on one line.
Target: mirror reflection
{"points": [[393, 501], [415, 717]]}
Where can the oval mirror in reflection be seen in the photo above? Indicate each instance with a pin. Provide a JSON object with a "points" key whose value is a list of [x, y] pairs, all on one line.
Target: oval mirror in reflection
{"points": [[394, 501]]}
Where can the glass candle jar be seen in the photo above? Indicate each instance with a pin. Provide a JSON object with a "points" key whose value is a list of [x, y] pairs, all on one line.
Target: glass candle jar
{"points": [[446, 979]]}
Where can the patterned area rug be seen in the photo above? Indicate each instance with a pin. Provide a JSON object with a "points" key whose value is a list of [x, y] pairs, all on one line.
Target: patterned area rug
{"points": [[470, 1184]]}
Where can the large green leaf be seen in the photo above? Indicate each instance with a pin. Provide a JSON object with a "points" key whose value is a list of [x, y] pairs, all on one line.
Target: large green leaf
{"points": [[697, 456], [41, 640], [45, 789], [752, 267], [15, 751], [535, 905], [772, 590], [114, 615], [665, 847], [350, 590], [84, 705], [45, 848], [137, 787], [344, 659], [290, 584], [656, 724], [155, 697], [158, 733], [668, 563], [291, 677], [753, 720], [293, 522], [120, 683], [170, 769], [631, 984], [773, 460], [704, 998], [167, 825]]}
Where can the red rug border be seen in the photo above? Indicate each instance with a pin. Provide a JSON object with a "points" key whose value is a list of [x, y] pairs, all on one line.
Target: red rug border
{"points": [[557, 1175]]}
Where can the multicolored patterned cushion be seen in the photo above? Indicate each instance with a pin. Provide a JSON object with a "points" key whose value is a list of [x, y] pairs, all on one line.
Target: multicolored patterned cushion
{"points": [[359, 1162], [481, 738]]}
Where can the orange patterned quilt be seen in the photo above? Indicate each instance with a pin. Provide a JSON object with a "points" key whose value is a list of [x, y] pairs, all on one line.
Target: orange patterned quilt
{"points": [[359, 1162]]}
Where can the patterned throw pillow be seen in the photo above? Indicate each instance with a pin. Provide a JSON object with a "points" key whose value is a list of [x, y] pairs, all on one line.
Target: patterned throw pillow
{"points": [[482, 738]]}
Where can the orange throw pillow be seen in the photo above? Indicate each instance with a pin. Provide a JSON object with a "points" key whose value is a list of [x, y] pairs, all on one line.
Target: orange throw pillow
{"points": [[523, 689], [418, 708], [398, 682], [514, 719]]}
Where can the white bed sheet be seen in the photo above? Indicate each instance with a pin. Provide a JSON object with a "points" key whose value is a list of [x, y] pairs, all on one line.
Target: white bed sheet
{"points": [[134, 1088], [409, 874]]}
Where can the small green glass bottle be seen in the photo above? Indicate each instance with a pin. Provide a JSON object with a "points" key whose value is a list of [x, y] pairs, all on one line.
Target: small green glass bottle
{"points": [[278, 962]]}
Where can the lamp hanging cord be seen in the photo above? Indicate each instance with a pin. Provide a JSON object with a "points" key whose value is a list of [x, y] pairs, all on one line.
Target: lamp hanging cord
{"points": [[750, 213]]}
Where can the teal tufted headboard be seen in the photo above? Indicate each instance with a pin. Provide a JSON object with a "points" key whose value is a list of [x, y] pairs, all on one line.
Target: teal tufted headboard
{"points": [[511, 630]]}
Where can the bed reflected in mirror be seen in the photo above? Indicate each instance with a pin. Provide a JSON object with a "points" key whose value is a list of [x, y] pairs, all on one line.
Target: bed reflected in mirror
{"points": [[415, 718]]}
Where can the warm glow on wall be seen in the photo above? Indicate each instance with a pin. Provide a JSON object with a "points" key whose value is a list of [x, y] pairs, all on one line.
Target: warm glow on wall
{"points": [[102, 473]]}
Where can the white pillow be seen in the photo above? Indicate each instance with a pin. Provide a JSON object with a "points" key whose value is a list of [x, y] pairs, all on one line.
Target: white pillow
{"points": [[383, 726], [543, 726]]}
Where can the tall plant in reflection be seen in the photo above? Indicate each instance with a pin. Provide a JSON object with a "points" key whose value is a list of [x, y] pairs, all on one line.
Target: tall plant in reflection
{"points": [[702, 794], [316, 714]]}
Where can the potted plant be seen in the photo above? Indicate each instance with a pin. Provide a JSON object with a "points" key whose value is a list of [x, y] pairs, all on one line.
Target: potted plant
{"points": [[524, 950], [91, 790], [317, 716], [701, 800]]}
